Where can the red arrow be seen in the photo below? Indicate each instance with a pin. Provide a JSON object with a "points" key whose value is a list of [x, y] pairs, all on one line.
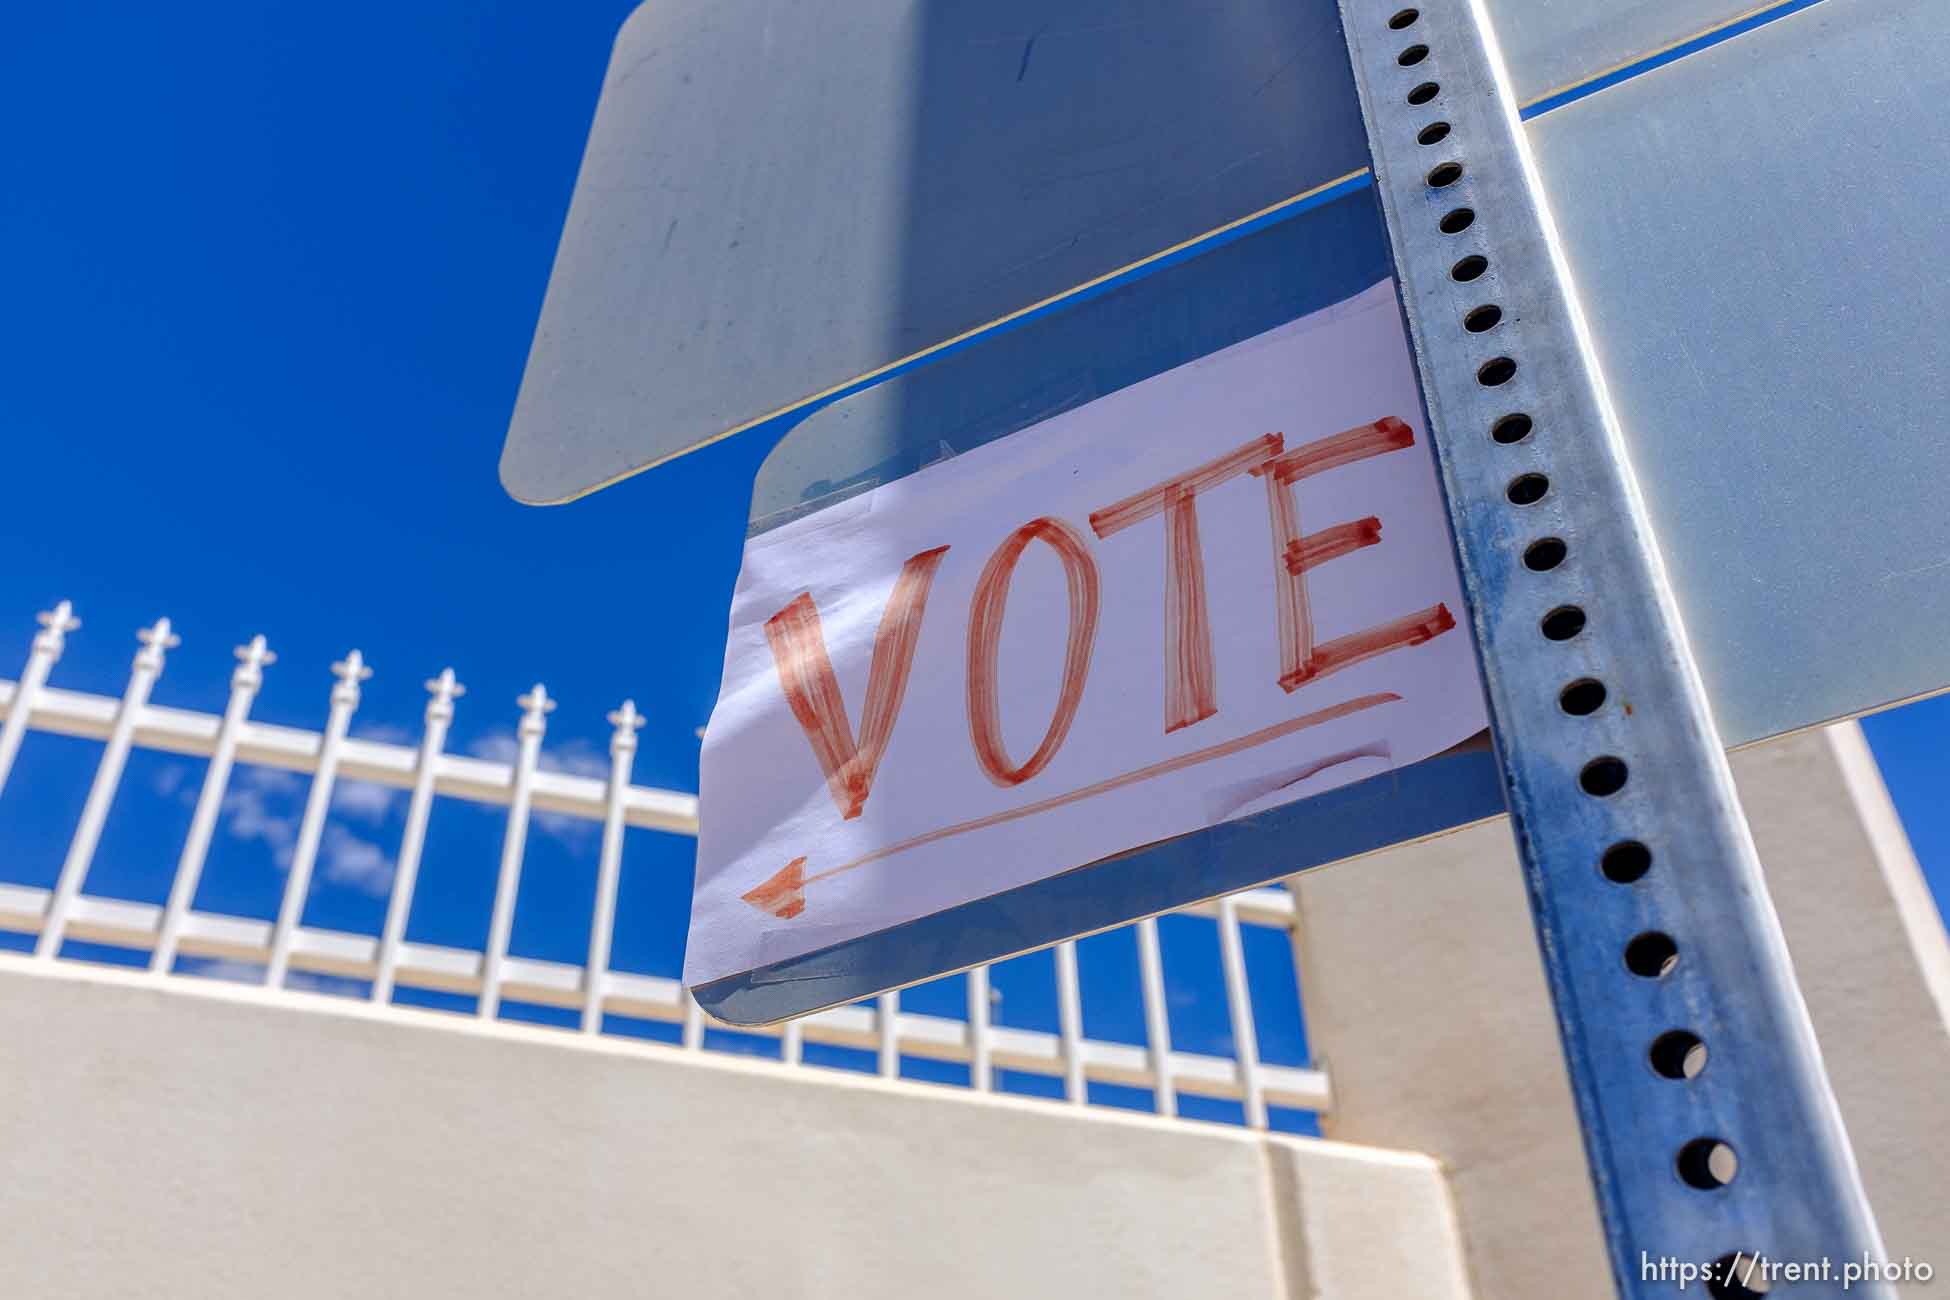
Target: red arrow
{"points": [[784, 895]]}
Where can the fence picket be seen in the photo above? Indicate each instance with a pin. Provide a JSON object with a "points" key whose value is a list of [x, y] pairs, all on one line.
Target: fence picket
{"points": [[350, 671], [419, 809], [535, 708], [156, 642], [244, 683]]}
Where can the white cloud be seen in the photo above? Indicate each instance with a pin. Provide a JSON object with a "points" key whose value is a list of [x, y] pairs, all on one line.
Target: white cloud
{"points": [[348, 859], [575, 757], [235, 972], [385, 732], [496, 747], [171, 779], [252, 810], [576, 830], [364, 801], [243, 972], [263, 806], [276, 778], [579, 758]]}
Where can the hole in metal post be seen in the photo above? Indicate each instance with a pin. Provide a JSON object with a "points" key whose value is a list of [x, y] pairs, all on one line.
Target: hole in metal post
{"points": [[1444, 174], [1582, 697], [1413, 55], [1563, 623], [1456, 220], [1677, 1054], [1511, 428], [1625, 862], [1469, 268], [1496, 372], [1433, 133], [1544, 554], [1603, 776], [1483, 318], [1707, 1163], [1406, 18], [1527, 489], [1651, 954], [1423, 93]]}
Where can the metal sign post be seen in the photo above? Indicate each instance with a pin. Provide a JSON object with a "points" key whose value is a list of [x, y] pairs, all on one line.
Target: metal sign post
{"points": [[1709, 1123]]}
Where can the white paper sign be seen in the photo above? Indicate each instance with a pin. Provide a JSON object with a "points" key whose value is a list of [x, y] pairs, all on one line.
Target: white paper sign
{"points": [[1210, 593]]}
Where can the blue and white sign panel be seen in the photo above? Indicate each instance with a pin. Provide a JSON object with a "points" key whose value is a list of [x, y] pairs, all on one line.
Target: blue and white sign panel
{"points": [[1215, 592], [1102, 353]]}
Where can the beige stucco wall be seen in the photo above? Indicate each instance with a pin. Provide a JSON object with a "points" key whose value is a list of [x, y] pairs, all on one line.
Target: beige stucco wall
{"points": [[191, 1139], [1426, 1003], [1874, 963]]}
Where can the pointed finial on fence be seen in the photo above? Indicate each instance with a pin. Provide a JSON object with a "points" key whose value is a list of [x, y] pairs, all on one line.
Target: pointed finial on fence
{"points": [[446, 688], [350, 671], [55, 624], [155, 640], [626, 720], [534, 706], [251, 661]]}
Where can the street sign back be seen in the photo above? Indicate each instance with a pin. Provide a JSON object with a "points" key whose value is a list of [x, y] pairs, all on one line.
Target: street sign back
{"points": [[926, 170], [778, 198], [1781, 383], [910, 172]]}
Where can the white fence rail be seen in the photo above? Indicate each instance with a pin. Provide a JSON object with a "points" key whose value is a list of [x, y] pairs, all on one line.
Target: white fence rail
{"points": [[492, 976]]}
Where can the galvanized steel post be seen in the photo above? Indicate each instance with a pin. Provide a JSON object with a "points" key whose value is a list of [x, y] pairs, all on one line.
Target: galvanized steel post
{"points": [[1709, 1124]]}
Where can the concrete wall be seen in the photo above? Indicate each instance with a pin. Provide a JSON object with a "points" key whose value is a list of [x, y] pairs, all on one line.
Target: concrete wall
{"points": [[1426, 1003], [1874, 963], [188, 1138], [180, 1138]]}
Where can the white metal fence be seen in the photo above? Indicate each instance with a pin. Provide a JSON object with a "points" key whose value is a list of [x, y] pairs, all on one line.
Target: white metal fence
{"points": [[389, 961]]}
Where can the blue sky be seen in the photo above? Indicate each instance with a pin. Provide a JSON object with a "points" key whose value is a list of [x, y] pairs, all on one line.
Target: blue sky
{"points": [[271, 280]]}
